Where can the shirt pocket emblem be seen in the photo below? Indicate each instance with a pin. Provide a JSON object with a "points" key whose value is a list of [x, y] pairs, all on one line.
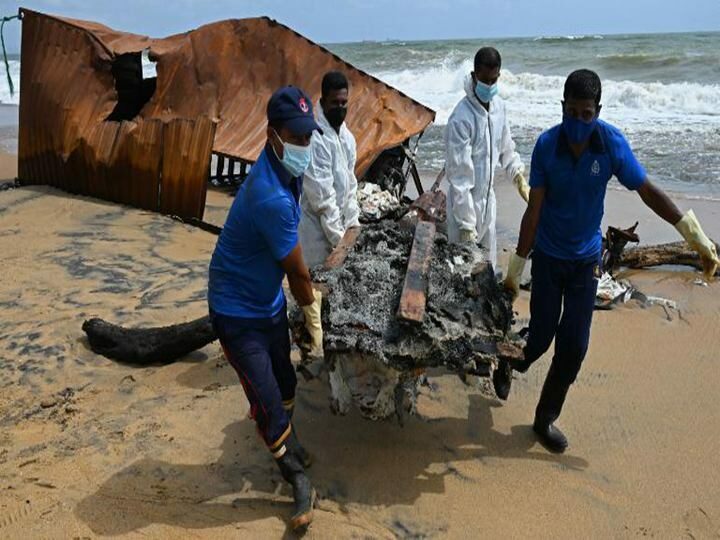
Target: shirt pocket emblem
{"points": [[595, 168]]}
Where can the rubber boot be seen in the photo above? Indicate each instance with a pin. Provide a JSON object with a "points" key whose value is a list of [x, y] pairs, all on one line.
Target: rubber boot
{"points": [[502, 376], [550, 437], [293, 445], [548, 410], [304, 495], [502, 379]]}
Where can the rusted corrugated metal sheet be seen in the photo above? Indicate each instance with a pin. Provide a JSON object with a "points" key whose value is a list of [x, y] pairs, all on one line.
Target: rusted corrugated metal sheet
{"points": [[184, 176], [221, 73]]}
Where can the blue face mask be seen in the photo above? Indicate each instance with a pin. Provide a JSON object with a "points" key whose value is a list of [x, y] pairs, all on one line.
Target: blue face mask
{"points": [[576, 130], [296, 159], [485, 92]]}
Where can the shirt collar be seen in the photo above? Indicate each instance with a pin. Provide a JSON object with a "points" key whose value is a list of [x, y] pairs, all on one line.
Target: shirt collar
{"points": [[277, 166], [596, 145]]}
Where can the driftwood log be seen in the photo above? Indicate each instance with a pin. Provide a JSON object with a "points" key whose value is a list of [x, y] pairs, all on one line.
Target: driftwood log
{"points": [[676, 253], [148, 345]]}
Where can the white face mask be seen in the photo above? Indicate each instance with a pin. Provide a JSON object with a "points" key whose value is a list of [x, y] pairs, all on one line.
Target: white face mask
{"points": [[296, 159]]}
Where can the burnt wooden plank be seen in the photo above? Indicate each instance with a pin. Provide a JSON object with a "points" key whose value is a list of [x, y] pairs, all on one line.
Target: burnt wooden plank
{"points": [[412, 300], [431, 206], [338, 255]]}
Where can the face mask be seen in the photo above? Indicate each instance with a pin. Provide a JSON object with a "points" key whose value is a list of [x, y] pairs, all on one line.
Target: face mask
{"points": [[485, 92], [336, 116], [296, 159], [576, 130]]}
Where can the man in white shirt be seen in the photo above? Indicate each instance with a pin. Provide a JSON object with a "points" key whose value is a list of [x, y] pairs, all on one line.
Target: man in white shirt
{"points": [[329, 201], [477, 141]]}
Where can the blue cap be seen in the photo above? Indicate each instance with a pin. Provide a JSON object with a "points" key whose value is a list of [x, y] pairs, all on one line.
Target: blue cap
{"points": [[293, 108]]}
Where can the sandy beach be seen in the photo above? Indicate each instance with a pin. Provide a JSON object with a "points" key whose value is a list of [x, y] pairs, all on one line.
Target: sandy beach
{"points": [[90, 447]]}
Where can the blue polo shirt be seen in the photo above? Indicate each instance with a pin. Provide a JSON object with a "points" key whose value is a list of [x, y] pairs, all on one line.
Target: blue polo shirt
{"points": [[245, 278], [574, 201]]}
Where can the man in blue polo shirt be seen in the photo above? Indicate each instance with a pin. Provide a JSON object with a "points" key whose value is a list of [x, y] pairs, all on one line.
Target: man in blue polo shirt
{"points": [[257, 248], [570, 168]]}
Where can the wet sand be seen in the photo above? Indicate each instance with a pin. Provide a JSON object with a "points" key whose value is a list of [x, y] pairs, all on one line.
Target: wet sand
{"points": [[8, 167], [90, 447]]}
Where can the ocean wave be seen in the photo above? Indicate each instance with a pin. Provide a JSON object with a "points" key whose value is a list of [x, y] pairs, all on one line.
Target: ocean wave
{"points": [[5, 97], [563, 39], [535, 99], [625, 61]]}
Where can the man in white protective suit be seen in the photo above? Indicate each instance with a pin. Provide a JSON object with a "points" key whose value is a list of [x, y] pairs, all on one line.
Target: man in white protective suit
{"points": [[477, 141], [329, 201]]}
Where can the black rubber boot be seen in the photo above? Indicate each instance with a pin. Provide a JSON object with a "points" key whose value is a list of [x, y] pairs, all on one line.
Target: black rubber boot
{"points": [[304, 495], [293, 445], [550, 437], [552, 399], [502, 376], [502, 379], [521, 366]]}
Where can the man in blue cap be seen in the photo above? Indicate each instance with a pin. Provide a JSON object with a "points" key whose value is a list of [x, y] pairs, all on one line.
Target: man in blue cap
{"points": [[570, 168], [257, 248]]}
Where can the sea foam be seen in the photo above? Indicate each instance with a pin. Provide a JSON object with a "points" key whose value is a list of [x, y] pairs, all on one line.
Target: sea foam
{"points": [[534, 100]]}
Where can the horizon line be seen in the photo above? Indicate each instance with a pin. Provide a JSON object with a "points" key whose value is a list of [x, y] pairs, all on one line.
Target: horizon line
{"points": [[428, 40]]}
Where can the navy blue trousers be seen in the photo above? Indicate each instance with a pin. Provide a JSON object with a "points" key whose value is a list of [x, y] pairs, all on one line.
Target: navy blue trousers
{"points": [[259, 350], [561, 307]]}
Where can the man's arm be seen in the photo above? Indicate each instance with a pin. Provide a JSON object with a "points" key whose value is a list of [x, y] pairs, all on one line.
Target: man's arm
{"points": [[658, 201], [460, 173], [276, 222], [511, 163], [298, 277], [687, 225], [530, 220], [531, 217], [528, 229], [632, 175], [319, 191], [353, 217], [309, 299]]}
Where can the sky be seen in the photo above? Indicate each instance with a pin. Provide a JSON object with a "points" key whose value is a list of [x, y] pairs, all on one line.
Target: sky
{"points": [[333, 21]]}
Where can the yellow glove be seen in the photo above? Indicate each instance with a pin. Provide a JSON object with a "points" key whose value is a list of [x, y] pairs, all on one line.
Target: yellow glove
{"points": [[514, 273], [522, 186], [313, 324], [468, 237], [690, 229]]}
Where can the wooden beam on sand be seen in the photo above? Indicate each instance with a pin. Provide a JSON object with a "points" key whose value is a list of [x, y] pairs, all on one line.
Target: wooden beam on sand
{"points": [[413, 298], [340, 253]]}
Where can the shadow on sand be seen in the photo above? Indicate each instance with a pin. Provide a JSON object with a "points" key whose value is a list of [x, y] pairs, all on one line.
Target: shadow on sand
{"points": [[357, 461]]}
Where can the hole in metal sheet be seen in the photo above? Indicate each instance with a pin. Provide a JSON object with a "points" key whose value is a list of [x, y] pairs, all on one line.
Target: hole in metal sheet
{"points": [[135, 82]]}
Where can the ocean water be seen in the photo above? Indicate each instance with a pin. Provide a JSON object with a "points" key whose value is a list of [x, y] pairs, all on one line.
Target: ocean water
{"points": [[662, 90]]}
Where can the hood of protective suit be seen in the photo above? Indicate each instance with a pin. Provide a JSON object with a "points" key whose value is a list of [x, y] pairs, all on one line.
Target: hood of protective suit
{"points": [[470, 87]]}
